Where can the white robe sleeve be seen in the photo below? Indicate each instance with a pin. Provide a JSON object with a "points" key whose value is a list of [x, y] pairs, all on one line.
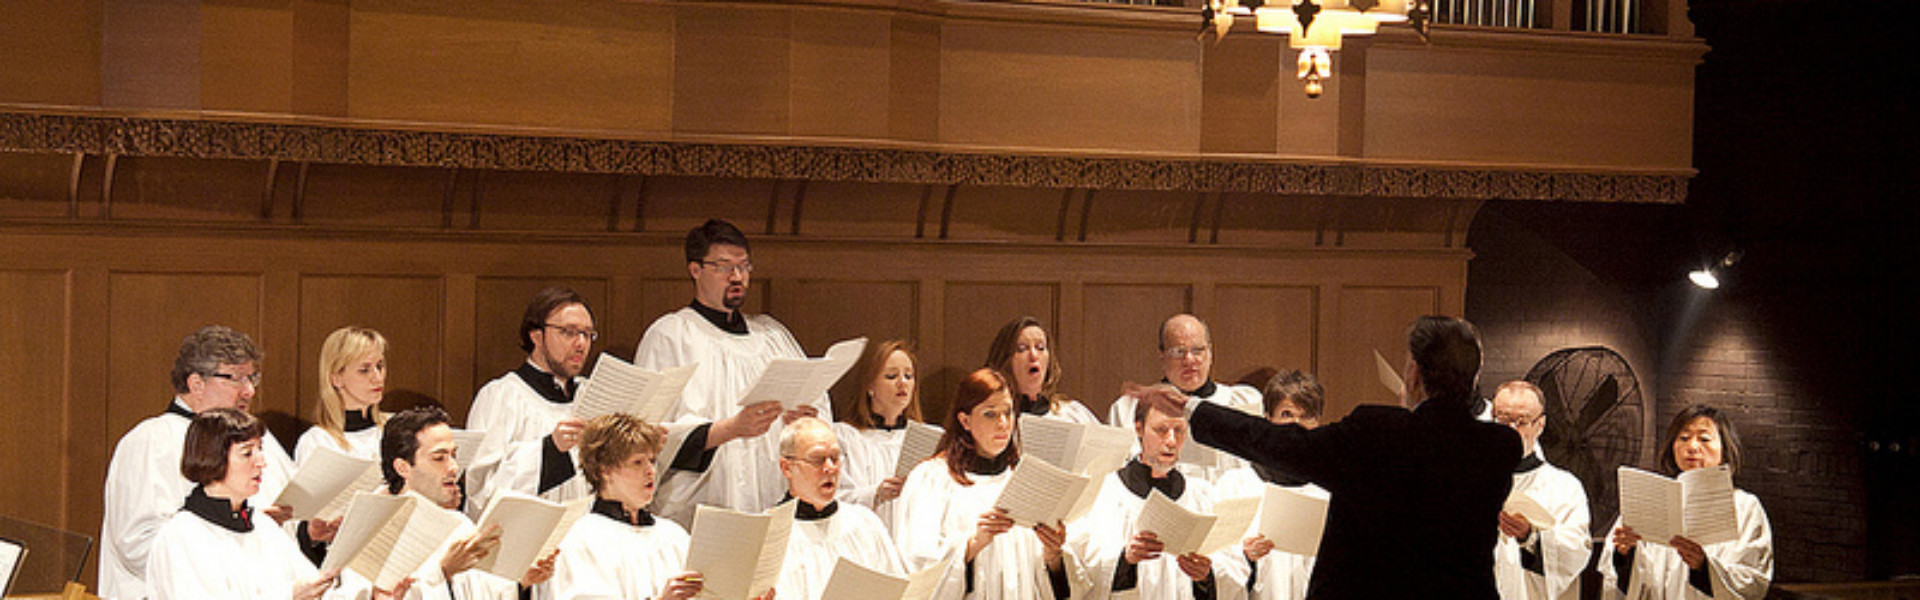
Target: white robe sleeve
{"points": [[144, 487], [1565, 547], [1743, 568], [922, 536]]}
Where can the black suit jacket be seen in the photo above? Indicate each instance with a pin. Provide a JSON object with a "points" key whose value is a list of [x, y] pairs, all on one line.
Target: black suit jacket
{"points": [[1415, 494]]}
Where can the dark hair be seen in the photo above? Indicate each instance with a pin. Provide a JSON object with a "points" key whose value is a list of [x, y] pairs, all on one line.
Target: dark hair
{"points": [[1000, 357], [711, 233], [1297, 386], [543, 305], [872, 362], [1729, 438], [1447, 351], [1141, 405], [610, 439], [212, 434], [956, 444], [400, 440], [205, 350]]}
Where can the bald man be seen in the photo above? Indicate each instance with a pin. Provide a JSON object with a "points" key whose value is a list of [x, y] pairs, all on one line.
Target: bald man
{"points": [[1186, 362], [824, 530], [1533, 562]]}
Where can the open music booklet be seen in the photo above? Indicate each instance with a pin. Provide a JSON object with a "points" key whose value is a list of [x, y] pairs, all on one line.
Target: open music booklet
{"points": [[850, 580], [739, 554], [1292, 520], [386, 538], [323, 487], [619, 387], [1698, 505], [529, 529], [1536, 513], [1182, 531], [921, 441], [1084, 448], [1042, 493], [794, 382]]}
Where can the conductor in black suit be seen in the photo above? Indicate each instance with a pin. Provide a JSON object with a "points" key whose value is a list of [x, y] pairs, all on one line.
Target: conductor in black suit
{"points": [[1416, 491]]}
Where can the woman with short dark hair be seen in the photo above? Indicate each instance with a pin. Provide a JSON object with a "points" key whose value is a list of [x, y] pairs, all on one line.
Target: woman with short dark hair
{"points": [[1700, 437]]}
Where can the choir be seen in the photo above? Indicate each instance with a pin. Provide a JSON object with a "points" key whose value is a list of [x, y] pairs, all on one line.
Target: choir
{"points": [[1422, 500]]}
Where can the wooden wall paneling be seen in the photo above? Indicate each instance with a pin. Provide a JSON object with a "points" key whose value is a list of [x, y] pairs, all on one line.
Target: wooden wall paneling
{"points": [[407, 311], [35, 185], [861, 210], [675, 205], [191, 190], [913, 100], [973, 312], [64, 38], [150, 54], [840, 70], [499, 303], [1371, 318], [1119, 327], [35, 363], [459, 342], [356, 196], [1005, 213], [1258, 326], [89, 442], [149, 313], [246, 51], [1239, 99], [277, 401], [1140, 217], [322, 41], [1396, 223], [841, 309], [732, 69], [1270, 220], [533, 201]]}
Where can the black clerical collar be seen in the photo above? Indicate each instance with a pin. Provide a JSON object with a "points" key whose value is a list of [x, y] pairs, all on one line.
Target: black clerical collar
{"points": [[881, 423], [219, 511], [179, 408], [1037, 404], [359, 420], [981, 465], [617, 510], [1278, 477], [542, 383], [803, 511], [1138, 477], [1530, 462], [1205, 390], [731, 322]]}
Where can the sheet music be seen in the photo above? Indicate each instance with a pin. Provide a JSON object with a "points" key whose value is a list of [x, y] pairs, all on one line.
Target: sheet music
{"points": [[324, 486], [921, 441], [1650, 504], [724, 541], [12, 554], [850, 580], [468, 443], [1234, 517], [529, 528], [1536, 513], [1102, 450], [1707, 495], [1081, 448], [619, 387], [922, 584], [1049, 440], [670, 446], [794, 382], [404, 542], [1196, 454], [1180, 530], [1389, 376], [1039, 492], [1292, 520]]}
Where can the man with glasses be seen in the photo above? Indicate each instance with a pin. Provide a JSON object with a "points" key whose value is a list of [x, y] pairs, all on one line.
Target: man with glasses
{"points": [[824, 530], [731, 348], [527, 413], [1186, 362], [216, 367], [1538, 561]]}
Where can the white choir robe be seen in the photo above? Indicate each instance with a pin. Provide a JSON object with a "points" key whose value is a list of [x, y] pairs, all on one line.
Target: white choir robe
{"points": [[1563, 548], [517, 421], [193, 559], [853, 533], [362, 444], [1238, 397], [871, 455], [1742, 568], [938, 515], [1281, 575], [144, 488], [603, 557], [745, 473], [1103, 534]]}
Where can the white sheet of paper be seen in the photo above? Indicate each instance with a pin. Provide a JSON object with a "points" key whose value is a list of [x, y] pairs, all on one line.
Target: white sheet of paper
{"points": [[793, 382], [366, 514], [405, 542], [850, 580], [1199, 455], [922, 584], [1292, 520], [739, 554], [1102, 450], [12, 554], [1697, 505], [1650, 504], [1520, 503], [529, 528], [1180, 530], [1709, 517], [1235, 516], [467, 441], [1081, 448], [1048, 439], [1389, 376], [619, 387], [323, 487], [920, 441], [1039, 492]]}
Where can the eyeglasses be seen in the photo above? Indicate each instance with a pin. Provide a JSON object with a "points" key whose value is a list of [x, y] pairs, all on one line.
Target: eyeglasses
{"points": [[571, 334], [742, 267], [819, 462], [1183, 353], [252, 379], [1518, 420]]}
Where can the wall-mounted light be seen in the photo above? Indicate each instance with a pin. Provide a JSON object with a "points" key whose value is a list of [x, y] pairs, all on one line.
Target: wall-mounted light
{"points": [[1708, 277]]}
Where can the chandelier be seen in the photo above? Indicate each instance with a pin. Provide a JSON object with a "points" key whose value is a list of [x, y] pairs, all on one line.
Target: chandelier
{"points": [[1315, 28]]}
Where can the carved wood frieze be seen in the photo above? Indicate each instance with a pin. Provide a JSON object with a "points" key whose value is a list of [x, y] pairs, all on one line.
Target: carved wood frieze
{"points": [[360, 145]]}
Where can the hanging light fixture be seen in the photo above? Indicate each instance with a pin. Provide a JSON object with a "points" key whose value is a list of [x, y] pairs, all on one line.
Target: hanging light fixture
{"points": [[1314, 28]]}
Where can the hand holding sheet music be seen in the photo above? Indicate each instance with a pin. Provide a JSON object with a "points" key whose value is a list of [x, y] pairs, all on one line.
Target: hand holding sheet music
{"points": [[1292, 520], [1537, 514], [796, 381], [1039, 492], [530, 528], [1182, 531], [386, 538], [619, 387], [323, 487], [1697, 505], [739, 554]]}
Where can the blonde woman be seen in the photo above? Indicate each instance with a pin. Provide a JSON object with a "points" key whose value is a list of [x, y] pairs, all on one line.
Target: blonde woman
{"points": [[874, 425], [353, 378]]}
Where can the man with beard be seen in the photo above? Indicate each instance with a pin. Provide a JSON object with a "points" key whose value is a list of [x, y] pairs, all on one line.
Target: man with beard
{"points": [[731, 349], [527, 413]]}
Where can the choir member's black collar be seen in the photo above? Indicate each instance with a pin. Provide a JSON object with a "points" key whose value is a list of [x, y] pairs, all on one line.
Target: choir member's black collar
{"points": [[1530, 462], [1205, 390], [361, 420], [881, 423], [179, 407], [981, 465], [803, 511], [1138, 477], [1278, 477], [731, 322], [617, 510], [219, 511], [542, 383], [1037, 404]]}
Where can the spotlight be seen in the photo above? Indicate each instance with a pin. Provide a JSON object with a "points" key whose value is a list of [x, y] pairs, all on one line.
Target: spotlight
{"points": [[1705, 279]]}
